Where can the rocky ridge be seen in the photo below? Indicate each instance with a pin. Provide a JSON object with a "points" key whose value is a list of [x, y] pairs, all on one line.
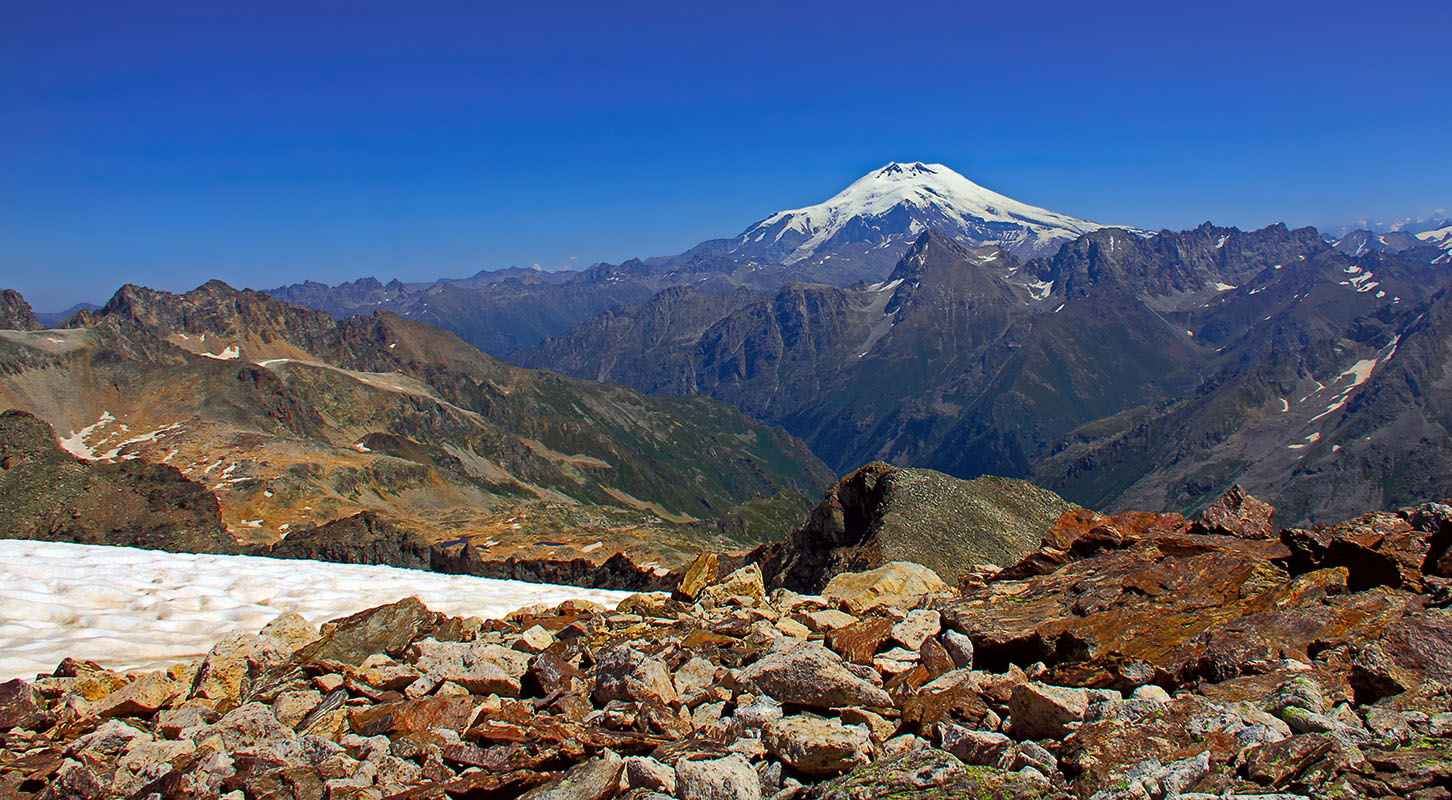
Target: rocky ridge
{"points": [[1130, 656]]}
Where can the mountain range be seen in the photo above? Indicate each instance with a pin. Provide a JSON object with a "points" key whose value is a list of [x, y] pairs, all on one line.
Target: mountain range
{"points": [[292, 419], [915, 318], [857, 235]]}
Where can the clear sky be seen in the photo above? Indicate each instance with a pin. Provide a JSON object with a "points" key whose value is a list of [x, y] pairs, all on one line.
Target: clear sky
{"points": [[262, 142]]}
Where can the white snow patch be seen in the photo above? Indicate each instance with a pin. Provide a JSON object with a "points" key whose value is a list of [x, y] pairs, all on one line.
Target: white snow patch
{"points": [[590, 548], [226, 355], [143, 609], [75, 442], [1221, 243], [1223, 287], [1285, 405], [1060, 308]]}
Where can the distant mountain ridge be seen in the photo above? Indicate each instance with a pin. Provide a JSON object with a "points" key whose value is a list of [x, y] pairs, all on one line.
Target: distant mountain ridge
{"points": [[858, 235]]}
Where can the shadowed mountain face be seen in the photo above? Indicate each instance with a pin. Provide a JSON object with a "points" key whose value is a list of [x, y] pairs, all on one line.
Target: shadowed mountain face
{"points": [[1124, 370], [292, 417]]}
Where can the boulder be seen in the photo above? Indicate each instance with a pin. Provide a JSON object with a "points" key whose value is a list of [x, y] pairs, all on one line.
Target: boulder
{"points": [[386, 629], [1237, 513], [917, 627], [479, 667], [140, 698], [744, 586], [647, 773], [1046, 712], [816, 746], [898, 583], [21, 706], [624, 673], [729, 778], [809, 674]]}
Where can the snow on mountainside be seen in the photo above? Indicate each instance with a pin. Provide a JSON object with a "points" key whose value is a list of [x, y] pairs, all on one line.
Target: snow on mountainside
{"points": [[896, 203]]}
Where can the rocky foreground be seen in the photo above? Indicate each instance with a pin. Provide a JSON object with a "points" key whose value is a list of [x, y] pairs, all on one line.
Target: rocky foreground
{"points": [[1133, 656]]}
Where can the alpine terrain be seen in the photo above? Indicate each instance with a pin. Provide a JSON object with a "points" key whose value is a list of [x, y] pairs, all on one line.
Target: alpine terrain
{"points": [[857, 235]]}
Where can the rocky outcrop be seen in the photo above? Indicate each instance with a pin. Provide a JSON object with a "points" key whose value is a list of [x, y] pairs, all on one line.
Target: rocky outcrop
{"points": [[881, 513], [15, 313], [369, 538], [48, 494]]}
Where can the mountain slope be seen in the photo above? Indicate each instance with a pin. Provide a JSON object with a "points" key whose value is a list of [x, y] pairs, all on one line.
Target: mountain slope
{"points": [[1123, 371], [292, 417]]}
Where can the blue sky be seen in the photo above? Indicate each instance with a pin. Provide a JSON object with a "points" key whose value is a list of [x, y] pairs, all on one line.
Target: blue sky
{"points": [[166, 143]]}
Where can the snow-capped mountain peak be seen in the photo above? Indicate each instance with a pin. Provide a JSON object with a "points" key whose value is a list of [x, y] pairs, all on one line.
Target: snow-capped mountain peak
{"points": [[887, 208]]}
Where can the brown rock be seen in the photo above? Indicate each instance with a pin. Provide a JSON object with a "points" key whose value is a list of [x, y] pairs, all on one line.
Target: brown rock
{"points": [[810, 675], [417, 719], [140, 698], [702, 573], [596, 779], [953, 696], [1237, 513], [898, 583], [1301, 763], [1045, 712], [816, 746], [744, 586], [624, 673], [860, 641], [21, 706]]}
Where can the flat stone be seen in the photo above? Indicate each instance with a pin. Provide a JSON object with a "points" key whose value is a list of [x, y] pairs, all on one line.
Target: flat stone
{"points": [[479, 667], [860, 641], [919, 625], [140, 698], [596, 779], [534, 639], [825, 620]]}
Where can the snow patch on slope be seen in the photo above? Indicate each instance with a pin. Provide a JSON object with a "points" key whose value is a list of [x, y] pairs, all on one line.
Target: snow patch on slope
{"points": [[143, 609]]}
